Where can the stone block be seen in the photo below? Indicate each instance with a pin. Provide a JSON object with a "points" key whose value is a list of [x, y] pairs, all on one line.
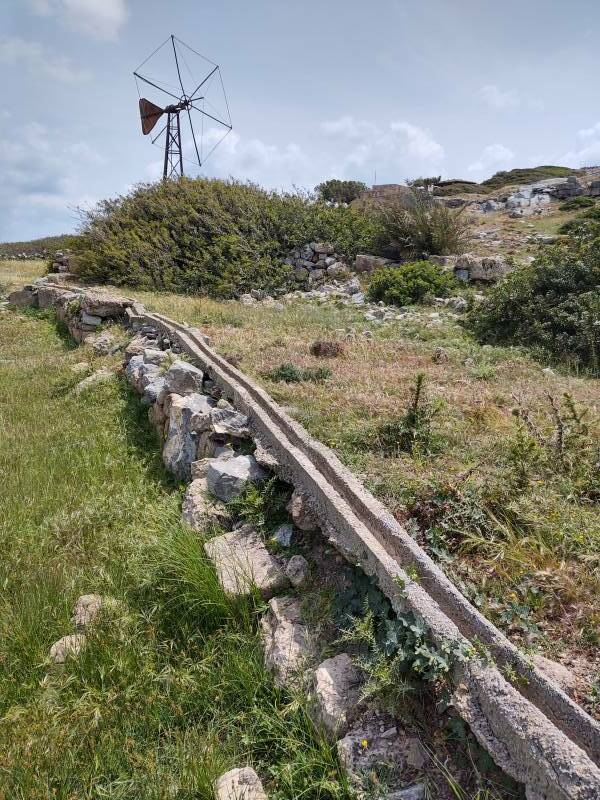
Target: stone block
{"points": [[288, 646], [242, 562]]}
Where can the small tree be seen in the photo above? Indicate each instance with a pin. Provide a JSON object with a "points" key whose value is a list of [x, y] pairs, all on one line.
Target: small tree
{"points": [[338, 191]]}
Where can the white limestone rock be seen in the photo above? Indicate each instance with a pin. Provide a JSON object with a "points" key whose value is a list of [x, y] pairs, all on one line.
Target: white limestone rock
{"points": [[336, 694], [86, 610], [297, 571], [227, 477], [240, 784], [185, 415], [242, 562], [66, 647], [183, 378], [287, 643]]}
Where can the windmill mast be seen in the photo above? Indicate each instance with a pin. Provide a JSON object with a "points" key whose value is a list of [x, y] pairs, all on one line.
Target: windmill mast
{"points": [[173, 164]]}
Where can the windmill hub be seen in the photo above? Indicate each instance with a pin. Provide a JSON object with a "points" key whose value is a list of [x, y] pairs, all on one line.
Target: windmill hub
{"points": [[213, 125]]}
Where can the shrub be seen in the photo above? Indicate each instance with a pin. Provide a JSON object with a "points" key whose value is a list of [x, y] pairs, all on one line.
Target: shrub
{"points": [[213, 237], [337, 191], [290, 373], [580, 223], [577, 202], [323, 348], [552, 305], [410, 283], [526, 175], [416, 225]]}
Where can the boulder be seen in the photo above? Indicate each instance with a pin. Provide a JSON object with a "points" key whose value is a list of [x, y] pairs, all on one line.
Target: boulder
{"points": [[228, 422], [185, 415], [300, 510], [240, 784], [287, 643], [86, 610], [23, 297], [183, 378], [90, 319], [489, 269], [297, 571], [367, 263], [284, 534], [153, 356], [211, 446], [227, 477], [324, 248], [153, 390], [66, 647], [104, 306], [242, 562], [336, 694]]}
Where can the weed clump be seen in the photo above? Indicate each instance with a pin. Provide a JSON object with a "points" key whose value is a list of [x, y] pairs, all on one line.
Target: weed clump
{"points": [[410, 283], [417, 226], [323, 348], [290, 373]]}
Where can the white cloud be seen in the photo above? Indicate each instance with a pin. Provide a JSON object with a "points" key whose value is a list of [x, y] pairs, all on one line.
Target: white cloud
{"points": [[494, 155], [399, 148], [350, 128], [42, 176], [100, 19], [37, 59], [586, 151], [499, 99], [589, 133]]}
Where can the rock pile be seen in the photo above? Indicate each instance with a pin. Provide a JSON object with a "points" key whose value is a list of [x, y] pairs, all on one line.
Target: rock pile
{"points": [[316, 261], [468, 267], [60, 262], [83, 312]]}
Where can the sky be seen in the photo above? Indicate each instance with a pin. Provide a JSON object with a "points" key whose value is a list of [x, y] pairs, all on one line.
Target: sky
{"points": [[379, 92]]}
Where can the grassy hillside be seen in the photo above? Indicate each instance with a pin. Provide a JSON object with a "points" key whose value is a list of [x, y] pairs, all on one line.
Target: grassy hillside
{"points": [[44, 245], [501, 179]]}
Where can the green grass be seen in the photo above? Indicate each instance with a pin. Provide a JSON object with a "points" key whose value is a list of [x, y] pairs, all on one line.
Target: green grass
{"points": [[170, 689]]}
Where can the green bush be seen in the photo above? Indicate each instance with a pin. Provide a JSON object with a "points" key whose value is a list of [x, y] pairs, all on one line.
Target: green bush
{"points": [[581, 221], [577, 202], [290, 373], [410, 283], [526, 175], [219, 238], [417, 226], [552, 305], [337, 191]]}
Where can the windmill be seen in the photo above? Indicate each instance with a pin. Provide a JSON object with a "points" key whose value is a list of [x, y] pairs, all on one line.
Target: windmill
{"points": [[173, 69]]}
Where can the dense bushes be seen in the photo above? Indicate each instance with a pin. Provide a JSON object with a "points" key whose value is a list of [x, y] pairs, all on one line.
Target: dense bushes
{"points": [[552, 304], [213, 237], [410, 283], [337, 191], [416, 226]]}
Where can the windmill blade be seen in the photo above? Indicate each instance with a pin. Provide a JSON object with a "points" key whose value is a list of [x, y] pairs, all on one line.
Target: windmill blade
{"points": [[210, 116], [194, 137], [210, 74], [156, 86], [177, 64], [149, 114]]}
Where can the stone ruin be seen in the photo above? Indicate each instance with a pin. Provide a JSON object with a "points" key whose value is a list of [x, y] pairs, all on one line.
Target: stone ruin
{"points": [[315, 262]]}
